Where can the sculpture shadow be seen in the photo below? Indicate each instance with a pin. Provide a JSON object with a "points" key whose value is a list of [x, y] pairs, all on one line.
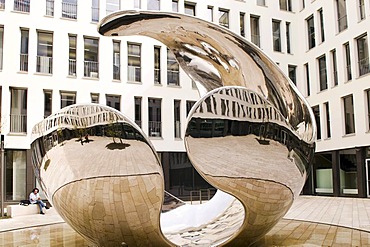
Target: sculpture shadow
{"points": [[119, 146]]}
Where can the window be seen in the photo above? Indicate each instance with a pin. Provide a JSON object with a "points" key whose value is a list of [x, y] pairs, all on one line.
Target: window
{"points": [[310, 32], [1, 46], [134, 63], [113, 101], [24, 50], [255, 30], [138, 110], [72, 55], [15, 175], [327, 116], [261, 2], [303, 4], [189, 8], [349, 114], [137, 4], [223, 17], [287, 30], [368, 108], [316, 112], [172, 69], [361, 9], [210, 13], [348, 61], [348, 171], [2, 4], [189, 105], [69, 9], [47, 103], [18, 110], [95, 10], [94, 98], [342, 15], [157, 65], [91, 57], [67, 99], [242, 24], [177, 116], [322, 30], [153, 4], [155, 116], [22, 5], [116, 60], [322, 73], [285, 5], [276, 35], [175, 5], [44, 53], [292, 73], [307, 73], [363, 55], [112, 6], [334, 66], [49, 8]]}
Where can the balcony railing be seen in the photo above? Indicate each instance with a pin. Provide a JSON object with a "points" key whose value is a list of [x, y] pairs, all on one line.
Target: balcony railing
{"points": [[94, 14], [116, 72], [18, 123], [342, 23], [335, 77], [23, 62], [69, 10], [50, 7], [91, 69], [72, 67], [134, 73], [349, 72], [255, 39], [173, 77], [138, 122], [44, 65], [2, 4], [177, 129], [157, 76], [22, 5], [363, 66], [155, 128]]}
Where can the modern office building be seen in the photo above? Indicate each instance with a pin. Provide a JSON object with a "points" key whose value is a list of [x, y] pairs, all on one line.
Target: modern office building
{"points": [[51, 56]]}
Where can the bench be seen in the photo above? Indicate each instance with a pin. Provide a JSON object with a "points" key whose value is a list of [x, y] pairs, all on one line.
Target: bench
{"points": [[19, 210]]}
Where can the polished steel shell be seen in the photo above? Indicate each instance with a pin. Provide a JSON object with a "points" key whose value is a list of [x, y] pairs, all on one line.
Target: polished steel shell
{"points": [[251, 135]]}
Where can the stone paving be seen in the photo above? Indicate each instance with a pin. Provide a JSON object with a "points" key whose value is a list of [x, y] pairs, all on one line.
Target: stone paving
{"points": [[312, 221]]}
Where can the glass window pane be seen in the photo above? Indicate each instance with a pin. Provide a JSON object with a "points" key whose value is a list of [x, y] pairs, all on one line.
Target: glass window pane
{"points": [[153, 4], [15, 173]]}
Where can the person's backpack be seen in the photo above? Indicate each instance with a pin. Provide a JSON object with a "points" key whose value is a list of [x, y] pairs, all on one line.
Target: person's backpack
{"points": [[24, 202]]}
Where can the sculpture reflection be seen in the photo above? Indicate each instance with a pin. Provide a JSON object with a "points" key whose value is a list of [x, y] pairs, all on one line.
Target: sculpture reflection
{"points": [[250, 135]]}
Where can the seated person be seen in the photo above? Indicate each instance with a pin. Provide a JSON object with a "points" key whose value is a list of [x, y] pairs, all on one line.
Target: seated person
{"points": [[35, 198]]}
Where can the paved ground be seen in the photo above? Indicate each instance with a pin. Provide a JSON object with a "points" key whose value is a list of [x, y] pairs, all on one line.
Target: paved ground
{"points": [[312, 221]]}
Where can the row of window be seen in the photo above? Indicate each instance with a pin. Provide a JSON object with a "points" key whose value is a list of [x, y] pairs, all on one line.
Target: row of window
{"points": [[69, 10], [348, 113], [18, 109], [342, 24], [363, 65], [44, 58]]}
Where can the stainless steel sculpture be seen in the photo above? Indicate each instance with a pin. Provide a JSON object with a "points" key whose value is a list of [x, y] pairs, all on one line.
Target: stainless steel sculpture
{"points": [[250, 135]]}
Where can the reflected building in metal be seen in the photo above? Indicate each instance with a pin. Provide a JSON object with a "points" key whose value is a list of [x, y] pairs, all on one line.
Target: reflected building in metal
{"points": [[251, 135]]}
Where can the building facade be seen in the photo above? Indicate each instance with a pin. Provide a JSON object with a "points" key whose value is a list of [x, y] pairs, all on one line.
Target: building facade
{"points": [[51, 56]]}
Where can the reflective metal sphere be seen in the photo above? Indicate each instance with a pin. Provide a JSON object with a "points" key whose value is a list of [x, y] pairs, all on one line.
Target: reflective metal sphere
{"points": [[250, 135]]}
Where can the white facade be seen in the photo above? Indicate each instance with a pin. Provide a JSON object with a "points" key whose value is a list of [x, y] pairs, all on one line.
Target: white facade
{"points": [[80, 24]]}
